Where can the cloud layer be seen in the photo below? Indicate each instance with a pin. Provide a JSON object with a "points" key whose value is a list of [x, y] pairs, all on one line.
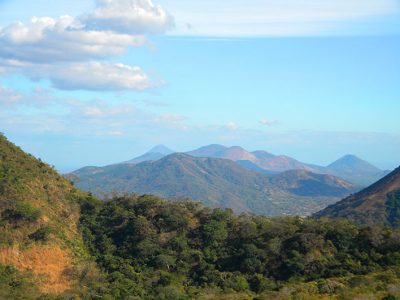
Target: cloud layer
{"points": [[67, 50], [242, 18]]}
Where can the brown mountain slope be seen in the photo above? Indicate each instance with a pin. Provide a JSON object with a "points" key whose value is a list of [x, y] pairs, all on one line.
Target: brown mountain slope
{"points": [[39, 217], [377, 204], [305, 183]]}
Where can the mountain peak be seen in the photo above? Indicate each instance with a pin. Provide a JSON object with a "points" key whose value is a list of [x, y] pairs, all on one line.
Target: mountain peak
{"points": [[353, 162], [162, 149]]}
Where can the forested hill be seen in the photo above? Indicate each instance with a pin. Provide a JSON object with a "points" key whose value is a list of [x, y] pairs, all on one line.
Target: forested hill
{"points": [[154, 249]]}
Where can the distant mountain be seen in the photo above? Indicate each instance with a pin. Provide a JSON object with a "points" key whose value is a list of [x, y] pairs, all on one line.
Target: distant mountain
{"points": [[351, 163], [161, 149], [359, 171], [155, 153], [207, 151], [236, 153], [377, 204], [349, 167], [215, 182], [262, 159]]}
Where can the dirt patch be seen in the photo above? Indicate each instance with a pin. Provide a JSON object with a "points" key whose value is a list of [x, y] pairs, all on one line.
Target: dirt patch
{"points": [[47, 264]]}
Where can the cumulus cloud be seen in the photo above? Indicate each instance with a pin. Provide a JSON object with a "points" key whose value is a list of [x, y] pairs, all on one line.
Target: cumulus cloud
{"points": [[96, 76], [48, 40], [130, 16], [70, 52]]}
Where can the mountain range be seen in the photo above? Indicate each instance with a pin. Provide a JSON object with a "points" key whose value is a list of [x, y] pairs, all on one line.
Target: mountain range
{"points": [[377, 204], [217, 182], [348, 167]]}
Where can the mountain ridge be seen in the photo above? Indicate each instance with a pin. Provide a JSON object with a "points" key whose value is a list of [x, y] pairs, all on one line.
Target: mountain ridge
{"points": [[348, 167], [214, 181], [376, 204]]}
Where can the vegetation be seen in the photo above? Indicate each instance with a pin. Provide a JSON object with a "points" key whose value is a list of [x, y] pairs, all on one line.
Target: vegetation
{"points": [[39, 216], [152, 249], [16, 285]]}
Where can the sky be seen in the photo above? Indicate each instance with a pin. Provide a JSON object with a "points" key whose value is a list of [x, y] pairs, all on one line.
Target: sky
{"points": [[99, 82]]}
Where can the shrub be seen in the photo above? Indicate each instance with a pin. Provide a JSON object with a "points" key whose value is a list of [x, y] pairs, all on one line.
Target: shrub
{"points": [[42, 234], [22, 211]]}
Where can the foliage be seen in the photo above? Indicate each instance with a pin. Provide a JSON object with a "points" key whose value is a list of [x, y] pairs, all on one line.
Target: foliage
{"points": [[22, 211], [150, 248], [16, 285]]}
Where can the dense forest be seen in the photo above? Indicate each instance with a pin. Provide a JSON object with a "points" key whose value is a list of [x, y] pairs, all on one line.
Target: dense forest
{"points": [[148, 248]]}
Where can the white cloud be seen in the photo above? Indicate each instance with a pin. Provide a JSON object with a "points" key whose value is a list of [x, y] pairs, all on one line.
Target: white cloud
{"points": [[96, 76], [48, 40], [67, 50], [130, 16]]}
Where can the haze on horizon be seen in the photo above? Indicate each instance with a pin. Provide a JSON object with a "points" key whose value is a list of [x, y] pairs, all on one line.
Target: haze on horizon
{"points": [[99, 82]]}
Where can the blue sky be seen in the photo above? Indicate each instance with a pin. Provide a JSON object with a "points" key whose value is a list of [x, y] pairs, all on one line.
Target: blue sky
{"points": [[310, 79]]}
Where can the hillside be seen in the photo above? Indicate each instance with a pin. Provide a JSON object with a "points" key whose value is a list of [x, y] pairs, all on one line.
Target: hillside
{"points": [[377, 204], [215, 182], [305, 183], [39, 224]]}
